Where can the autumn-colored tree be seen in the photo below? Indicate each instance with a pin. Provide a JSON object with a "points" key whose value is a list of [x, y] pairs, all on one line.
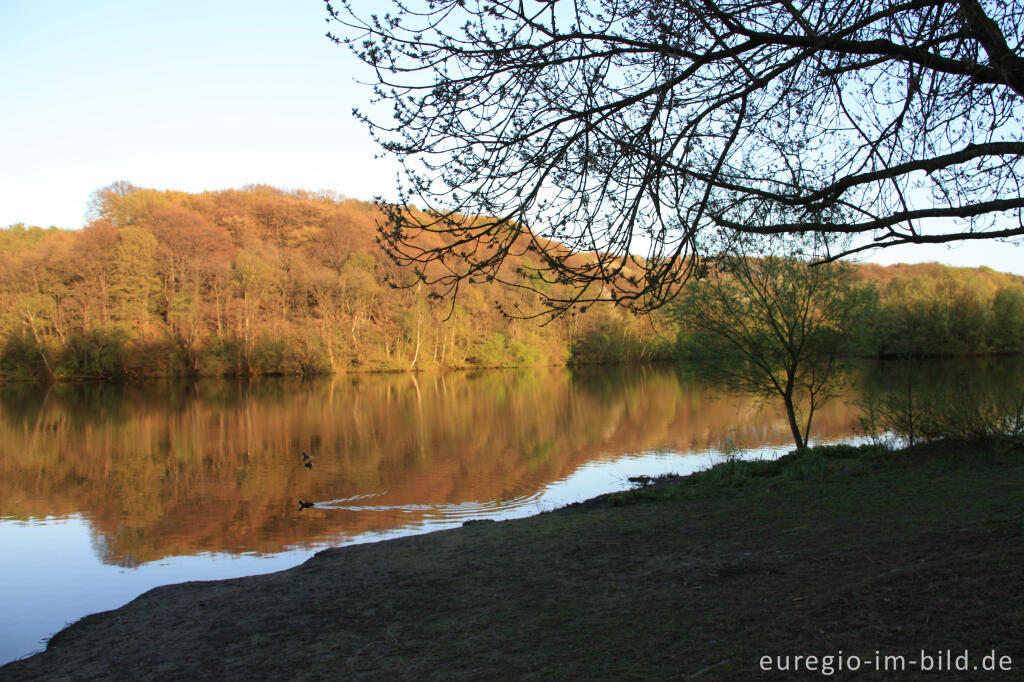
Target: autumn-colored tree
{"points": [[261, 280], [134, 280], [34, 314]]}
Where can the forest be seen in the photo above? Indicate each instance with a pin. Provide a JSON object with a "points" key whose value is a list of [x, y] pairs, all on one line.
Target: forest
{"points": [[263, 281]]}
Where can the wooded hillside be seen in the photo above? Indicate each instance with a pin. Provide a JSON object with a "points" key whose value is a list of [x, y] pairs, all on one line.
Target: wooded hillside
{"points": [[264, 281], [256, 281]]}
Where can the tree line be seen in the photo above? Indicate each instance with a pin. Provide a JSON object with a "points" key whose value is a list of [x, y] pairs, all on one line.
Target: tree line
{"points": [[774, 325], [917, 311], [265, 281], [251, 282]]}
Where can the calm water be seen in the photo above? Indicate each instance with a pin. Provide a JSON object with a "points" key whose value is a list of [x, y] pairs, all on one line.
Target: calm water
{"points": [[108, 490]]}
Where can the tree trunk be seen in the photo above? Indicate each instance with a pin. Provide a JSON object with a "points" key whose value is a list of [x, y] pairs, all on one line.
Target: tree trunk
{"points": [[416, 353], [327, 342], [787, 398], [103, 301], [40, 348]]}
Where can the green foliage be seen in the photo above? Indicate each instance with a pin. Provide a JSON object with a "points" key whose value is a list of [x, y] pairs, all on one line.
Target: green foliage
{"points": [[134, 280], [937, 311], [615, 336], [96, 353], [596, 345], [777, 327], [489, 351], [21, 358], [1006, 330], [526, 352], [220, 359]]}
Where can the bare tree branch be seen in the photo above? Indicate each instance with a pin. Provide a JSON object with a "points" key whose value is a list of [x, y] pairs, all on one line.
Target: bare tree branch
{"points": [[614, 144]]}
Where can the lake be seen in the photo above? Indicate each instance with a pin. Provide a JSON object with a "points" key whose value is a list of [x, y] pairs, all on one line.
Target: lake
{"points": [[108, 490]]}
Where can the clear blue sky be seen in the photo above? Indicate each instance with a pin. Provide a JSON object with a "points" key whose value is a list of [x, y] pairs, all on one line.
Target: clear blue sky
{"points": [[190, 95], [205, 95]]}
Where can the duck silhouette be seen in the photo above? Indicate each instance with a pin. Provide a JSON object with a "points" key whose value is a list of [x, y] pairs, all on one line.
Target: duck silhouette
{"points": [[307, 461], [306, 505]]}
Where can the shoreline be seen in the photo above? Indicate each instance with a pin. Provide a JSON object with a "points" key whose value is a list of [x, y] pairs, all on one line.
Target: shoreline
{"points": [[684, 363], [842, 549]]}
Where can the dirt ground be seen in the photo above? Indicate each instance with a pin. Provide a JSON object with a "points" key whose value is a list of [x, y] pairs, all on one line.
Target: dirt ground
{"points": [[856, 560]]}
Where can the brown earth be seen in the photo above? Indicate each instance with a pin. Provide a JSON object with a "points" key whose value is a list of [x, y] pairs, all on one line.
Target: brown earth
{"points": [[893, 554]]}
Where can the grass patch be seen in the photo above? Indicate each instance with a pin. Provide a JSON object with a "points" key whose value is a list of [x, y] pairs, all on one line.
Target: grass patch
{"points": [[828, 461]]}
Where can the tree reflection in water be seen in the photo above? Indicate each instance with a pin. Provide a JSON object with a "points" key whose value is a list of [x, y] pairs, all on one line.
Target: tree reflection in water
{"points": [[216, 466]]}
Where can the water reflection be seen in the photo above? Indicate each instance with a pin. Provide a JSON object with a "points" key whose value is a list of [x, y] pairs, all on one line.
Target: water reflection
{"points": [[106, 490], [216, 466]]}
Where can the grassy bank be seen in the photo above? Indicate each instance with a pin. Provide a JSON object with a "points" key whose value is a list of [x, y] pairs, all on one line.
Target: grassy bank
{"points": [[836, 549]]}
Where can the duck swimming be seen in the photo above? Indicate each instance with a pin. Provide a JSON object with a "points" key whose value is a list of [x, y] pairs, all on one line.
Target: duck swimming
{"points": [[306, 505]]}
